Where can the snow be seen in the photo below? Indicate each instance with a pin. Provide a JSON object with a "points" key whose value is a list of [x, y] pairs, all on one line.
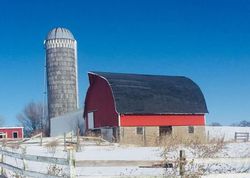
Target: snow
{"points": [[119, 153], [226, 132], [120, 171], [231, 159]]}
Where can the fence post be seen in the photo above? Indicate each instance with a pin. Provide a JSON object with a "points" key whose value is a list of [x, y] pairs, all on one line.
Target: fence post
{"points": [[78, 147], [24, 161], [41, 139], [2, 161], [72, 162], [208, 136], [72, 133], [64, 141], [182, 162], [235, 136], [144, 136]]}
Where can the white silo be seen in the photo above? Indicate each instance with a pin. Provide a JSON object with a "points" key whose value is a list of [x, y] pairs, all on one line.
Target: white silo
{"points": [[61, 69]]}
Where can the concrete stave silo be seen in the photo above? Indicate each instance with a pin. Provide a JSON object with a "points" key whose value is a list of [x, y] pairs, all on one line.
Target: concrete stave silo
{"points": [[61, 70]]}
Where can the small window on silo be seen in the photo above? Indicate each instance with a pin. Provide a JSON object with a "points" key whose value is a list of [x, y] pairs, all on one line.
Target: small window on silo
{"points": [[191, 129]]}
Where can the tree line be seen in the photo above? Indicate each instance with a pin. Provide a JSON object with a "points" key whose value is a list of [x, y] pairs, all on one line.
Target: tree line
{"points": [[243, 123]]}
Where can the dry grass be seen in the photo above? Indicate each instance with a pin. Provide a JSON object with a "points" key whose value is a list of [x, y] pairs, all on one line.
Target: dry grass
{"points": [[55, 170], [14, 146], [4, 142], [196, 147], [52, 145], [206, 150]]}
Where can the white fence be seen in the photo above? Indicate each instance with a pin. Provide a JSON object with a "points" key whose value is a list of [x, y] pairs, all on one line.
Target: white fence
{"points": [[76, 164], [70, 162]]}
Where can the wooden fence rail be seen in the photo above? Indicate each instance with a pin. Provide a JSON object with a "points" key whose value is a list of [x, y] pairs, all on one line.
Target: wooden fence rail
{"points": [[69, 161], [44, 159], [73, 164], [241, 136], [23, 172]]}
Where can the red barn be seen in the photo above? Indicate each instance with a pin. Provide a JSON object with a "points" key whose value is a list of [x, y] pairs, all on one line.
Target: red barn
{"points": [[11, 132], [140, 108]]}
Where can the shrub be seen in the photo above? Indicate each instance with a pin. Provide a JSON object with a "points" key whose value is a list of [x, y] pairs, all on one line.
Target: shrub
{"points": [[51, 146], [55, 170]]}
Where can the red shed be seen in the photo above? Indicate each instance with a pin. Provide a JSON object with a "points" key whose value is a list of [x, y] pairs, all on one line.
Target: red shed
{"points": [[141, 107], [11, 132]]}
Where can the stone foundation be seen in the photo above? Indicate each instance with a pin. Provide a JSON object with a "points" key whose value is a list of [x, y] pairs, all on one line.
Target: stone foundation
{"points": [[150, 136]]}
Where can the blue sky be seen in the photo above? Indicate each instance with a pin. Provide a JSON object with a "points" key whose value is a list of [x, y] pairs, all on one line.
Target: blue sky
{"points": [[208, 41]]}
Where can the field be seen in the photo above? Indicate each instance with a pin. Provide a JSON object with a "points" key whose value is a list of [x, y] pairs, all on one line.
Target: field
{"points": [[102, 159]]}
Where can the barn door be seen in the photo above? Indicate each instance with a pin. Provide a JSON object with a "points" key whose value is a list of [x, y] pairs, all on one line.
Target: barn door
{"points": [[91, 120]]}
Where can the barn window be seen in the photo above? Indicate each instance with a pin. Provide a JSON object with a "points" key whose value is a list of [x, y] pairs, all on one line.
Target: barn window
{"points": [[14, 135], [165, 130], [2, 135], [139, 130], [191, 129]]}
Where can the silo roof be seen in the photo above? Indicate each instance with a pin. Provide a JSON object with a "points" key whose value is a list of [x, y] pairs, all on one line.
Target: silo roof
{"points": [[60, 33]]}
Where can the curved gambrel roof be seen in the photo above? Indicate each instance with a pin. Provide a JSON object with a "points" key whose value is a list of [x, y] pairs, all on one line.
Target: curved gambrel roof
{"points": [[154, 94]]}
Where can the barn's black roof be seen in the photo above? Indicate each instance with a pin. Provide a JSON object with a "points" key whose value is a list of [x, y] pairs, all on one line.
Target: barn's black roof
{"points": [[154, 94]]}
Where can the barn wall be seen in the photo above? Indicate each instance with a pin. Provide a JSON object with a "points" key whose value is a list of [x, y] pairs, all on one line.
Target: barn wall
{"points": [[99, 99], [128, 136], [151, 135], [9, 131], [181, 133], [163, 120]]}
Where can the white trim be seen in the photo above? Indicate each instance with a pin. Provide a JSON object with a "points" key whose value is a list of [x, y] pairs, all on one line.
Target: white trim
{"points": [[59, 43], [109, 87], [11, 127], [91, 121], [119, 120]]}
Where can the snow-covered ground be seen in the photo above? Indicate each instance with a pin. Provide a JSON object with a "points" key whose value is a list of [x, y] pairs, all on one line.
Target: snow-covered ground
{"points": [[233, 158], [226, 132]]}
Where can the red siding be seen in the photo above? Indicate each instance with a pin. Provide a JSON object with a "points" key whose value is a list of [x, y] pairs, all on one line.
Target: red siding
{"points": [[162, 120], [9, 131], [99, 99]]}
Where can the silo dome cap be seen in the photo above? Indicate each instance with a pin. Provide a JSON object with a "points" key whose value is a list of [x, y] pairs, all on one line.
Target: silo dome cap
{"points": [[58, 33]]}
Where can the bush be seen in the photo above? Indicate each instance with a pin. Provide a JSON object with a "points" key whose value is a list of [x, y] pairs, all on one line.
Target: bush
{"points": [[51, 146]]}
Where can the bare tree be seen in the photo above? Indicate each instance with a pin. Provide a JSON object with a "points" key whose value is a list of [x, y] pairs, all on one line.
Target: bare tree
{"points": [[215, 124], [34, 119], [242, 123]]}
